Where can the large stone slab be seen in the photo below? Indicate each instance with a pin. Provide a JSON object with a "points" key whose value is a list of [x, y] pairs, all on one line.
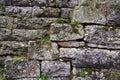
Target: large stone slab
{"points": [[63, 32], [18, 11], [21, 69], [55, 68], [42, 50], [46, 12], [23, 35], [102, 37], [98, 58], [98, 11], [33, 23], [13, 48], [5, 34], [93, 74]]}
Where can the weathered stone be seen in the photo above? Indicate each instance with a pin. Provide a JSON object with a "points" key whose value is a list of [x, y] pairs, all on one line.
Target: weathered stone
{"points": [[55, 47], [66, 12], [63, 3], [27, 79], [13, 47], [27, 34], [98, 36], [41, 51], [82, 78], [71, 44], [46, 12], [63, 32], [55, 68], [33, 23], [19, 11], [2, 61], [59, 78], [5, 2], [5, 34], [93, 73], [21, 2], [98, 11], [40, 3], [6, 22], [98, 58], [21, 69]]}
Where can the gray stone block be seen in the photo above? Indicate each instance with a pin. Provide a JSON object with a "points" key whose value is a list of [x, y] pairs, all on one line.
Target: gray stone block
{"points": [[102, 37], [97, 58], [55, 68], [64, 32], [21, 69]]}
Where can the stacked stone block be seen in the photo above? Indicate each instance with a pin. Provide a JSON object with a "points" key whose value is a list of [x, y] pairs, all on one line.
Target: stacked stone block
{"points": [[59, 39]]}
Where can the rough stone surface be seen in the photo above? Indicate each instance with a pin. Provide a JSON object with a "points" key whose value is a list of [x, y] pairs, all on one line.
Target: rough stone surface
{"points": [[98, 36], [24, 35], [64, 32], [55, 68], [27, 79], [21, 69], [42, 51], [13, 47], [99, 58], [98, 11], [71, 44]]}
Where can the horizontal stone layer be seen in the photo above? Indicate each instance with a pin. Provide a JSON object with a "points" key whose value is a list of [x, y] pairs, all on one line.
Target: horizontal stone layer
{"points": [[55, 68], [97, 58], [102, 36], [21, 68], [13, 48], [65, 32], [71, 44], [52, 3], [98, 11]]}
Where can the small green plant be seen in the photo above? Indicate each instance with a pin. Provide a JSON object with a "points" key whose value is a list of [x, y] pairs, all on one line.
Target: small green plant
{"points": [[2, 6], [62, 20], [116, 7], [15, 60], [75, 23], [20, 17], [82, 74], [9, 26], [1, 69], [45, 39], [43, 76], [106, 28], [71, 76], [89, 70], [75, 30], [114, 73], [3, 79]]}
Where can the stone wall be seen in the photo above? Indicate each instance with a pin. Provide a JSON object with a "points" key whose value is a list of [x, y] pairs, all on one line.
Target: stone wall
{"points": [[59, 40]]}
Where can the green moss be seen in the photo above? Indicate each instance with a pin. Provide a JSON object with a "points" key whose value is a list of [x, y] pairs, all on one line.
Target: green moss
{"points": [[3, 79], [46, 38], [16, 60], [43, 76], [75, 30], [82, 74], [116, 7], [89, 70], [9, 26], [75, 23], [114, 73], [20, 17], [62, 20], [106, 28], [1, 69], [2, 6], [71, 76]]}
